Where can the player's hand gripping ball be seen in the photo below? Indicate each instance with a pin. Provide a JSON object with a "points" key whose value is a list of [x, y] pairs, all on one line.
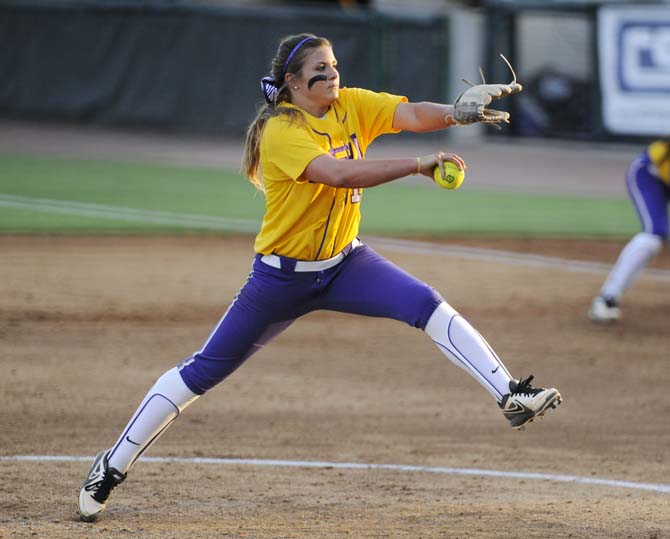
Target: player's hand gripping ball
{"points": [[453, 176]]}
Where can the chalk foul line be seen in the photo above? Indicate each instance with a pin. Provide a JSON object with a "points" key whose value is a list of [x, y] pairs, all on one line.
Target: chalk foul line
{"points": [[654, 487], [504, 257]]}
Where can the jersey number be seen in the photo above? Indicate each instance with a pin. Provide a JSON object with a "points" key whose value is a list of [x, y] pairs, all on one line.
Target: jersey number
{"points": [[356, 195]]}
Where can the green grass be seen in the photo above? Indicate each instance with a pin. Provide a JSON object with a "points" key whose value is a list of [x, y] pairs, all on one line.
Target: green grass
{"points": [[182, 190], [153, 187], [394, 209], [429, 210]]}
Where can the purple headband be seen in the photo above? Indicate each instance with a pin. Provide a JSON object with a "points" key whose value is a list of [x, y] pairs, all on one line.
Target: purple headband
{"points": [[295, 49], [269, 86]]}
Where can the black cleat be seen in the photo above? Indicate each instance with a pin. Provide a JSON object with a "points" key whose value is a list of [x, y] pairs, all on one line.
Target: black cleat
{"points": [[524, 403], [98, 487]]}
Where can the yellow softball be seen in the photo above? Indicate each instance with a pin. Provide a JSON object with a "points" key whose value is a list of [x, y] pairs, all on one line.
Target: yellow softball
{"points": [[453, 177]]}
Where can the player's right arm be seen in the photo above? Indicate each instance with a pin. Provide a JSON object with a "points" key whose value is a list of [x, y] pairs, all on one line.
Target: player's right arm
{"points": [[361, 173], [290, 146]]}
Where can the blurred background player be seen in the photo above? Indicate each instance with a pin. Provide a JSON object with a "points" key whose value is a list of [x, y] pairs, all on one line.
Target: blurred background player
{"points": [[305, 151], [647, 182]]}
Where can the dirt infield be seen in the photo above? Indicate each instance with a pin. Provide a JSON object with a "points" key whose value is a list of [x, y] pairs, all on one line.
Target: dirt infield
{"points": [[89, 323]]}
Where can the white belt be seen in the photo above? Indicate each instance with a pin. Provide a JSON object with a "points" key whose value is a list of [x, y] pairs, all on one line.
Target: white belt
{"points": [[316, 265]]}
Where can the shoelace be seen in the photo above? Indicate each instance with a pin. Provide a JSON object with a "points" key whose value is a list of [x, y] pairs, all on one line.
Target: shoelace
{"points": [[523, 387], [104, 487], [610, 302]]}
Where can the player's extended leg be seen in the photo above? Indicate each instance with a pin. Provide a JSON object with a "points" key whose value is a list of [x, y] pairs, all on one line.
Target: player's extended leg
{"points": [[650, 198], [464, 346], [161, 406], [249, 323], [163, 403], [369, 284]]}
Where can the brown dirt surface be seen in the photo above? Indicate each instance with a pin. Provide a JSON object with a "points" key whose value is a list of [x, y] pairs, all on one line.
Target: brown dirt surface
{"points": [[88, 323]]}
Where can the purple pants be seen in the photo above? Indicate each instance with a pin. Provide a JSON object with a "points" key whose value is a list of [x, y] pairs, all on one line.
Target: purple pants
{"points": [[650, 197], [363, 283]]}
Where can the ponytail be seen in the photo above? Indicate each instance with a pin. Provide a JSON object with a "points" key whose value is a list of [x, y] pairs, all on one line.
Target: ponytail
{"points": [[252, 147], [289, 58], [252, 144]]}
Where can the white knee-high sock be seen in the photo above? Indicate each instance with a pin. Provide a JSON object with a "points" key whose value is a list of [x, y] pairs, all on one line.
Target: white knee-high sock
{"points": [[465, 347], [161, 406], [633, 258]]}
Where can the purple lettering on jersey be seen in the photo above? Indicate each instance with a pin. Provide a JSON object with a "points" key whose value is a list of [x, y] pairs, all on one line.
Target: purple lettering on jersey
{"points": [[344, 148]]}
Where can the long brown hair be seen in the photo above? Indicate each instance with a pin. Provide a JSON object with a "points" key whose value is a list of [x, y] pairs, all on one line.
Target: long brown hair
{"points": [[290, 58]]}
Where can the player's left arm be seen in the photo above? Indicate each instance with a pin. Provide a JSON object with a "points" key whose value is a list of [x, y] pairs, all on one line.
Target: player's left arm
{"points": [[423, 117]]}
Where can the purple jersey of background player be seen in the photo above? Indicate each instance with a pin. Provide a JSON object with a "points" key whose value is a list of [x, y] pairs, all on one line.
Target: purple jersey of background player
{"points": [[650, 195], [647, 181]]}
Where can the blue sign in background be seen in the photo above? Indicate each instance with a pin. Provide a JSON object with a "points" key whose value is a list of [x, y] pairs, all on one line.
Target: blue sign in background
{"points": [[650, 56]]}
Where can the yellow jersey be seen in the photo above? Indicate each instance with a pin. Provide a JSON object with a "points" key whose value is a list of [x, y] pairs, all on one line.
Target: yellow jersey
{"points": [[313, 221], [659, 155]]}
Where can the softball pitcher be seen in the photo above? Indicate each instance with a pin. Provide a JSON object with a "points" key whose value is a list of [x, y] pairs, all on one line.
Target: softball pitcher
{"points": [[306, 151], [647, 180]]}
